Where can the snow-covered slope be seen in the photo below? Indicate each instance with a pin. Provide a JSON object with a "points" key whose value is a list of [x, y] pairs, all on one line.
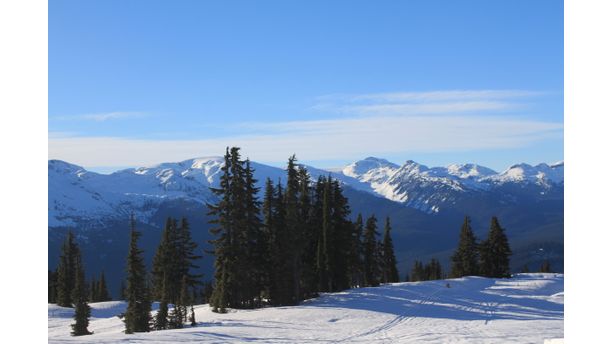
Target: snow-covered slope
{"points": [[79, 196], [527, 308]]}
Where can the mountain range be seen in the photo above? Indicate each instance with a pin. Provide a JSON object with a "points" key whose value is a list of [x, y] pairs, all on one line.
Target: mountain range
{"points": [[426, 205]]}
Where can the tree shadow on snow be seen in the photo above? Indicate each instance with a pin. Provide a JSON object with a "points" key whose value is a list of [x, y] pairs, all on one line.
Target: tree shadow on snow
{"points": [[462, 301]]}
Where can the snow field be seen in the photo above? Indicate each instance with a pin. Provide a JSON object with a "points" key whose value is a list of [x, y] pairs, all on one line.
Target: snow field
{"points": [[527, 308]]}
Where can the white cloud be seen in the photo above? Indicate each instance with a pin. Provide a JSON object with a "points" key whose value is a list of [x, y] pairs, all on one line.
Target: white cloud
{"points": [[445, 95], [379, 124], [319, 140], [101, 117], [423, 103]]}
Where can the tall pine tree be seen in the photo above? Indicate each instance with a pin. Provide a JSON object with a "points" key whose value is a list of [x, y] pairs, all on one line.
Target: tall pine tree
{"points": [[465, 258], [82, 311], [417, 273], [103, 294], [66, 271], [433, 270], [341, 237], [370, 253], [221, 217], [294, 235], [389, 274], [238, 226], [161, 318], [52, 286], [325, 245], [93, 290], [309, 235], [356, 256], [545, 267], [138, 313], [495, 253]]}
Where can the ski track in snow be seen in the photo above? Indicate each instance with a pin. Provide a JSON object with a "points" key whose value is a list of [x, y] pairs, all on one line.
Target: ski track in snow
{"points": [[527, 308]]}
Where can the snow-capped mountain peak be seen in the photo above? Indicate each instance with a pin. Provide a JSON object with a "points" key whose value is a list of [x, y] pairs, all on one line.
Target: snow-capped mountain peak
{"points": [[77, 195], [430, 189], [369, 168], [542, 174], [465, 171]]}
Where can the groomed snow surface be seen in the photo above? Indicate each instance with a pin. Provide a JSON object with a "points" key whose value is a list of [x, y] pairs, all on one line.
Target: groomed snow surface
{"points": [[527, 308]]}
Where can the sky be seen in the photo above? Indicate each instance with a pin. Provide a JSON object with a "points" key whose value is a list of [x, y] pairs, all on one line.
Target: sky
{"points": [[136, 83]]}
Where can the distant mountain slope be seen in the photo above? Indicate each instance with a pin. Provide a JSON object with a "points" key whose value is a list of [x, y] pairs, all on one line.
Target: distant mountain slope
{"points": [[77, 196], [432, 189]]}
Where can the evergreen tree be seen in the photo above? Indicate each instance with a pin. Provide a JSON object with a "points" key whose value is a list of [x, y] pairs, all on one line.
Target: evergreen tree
{"points": [[192, 318], [195, 296], [525, 269], [356, 266], [103, 294], [161, 318], [390, 274], [254, 243], [342, 229], [433, 271], [187, 255], [222, 218], [206, 292], [495, 253], [545, 267], [167, 267], [138, 313], [269, 231], [52, 286], [66, 271], [417, 272], [93, 290], [293, 228], [82, 311], [325, 245], [370, 253], [238, 281], [237, 231], [379, 261], [309, 235], [280, 287], [465, 258], [176, 318], [184, 300], [122, 291]]}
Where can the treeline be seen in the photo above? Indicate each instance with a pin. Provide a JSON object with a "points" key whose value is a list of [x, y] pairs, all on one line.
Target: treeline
{"points": [[96, 290], [489, 258], [171, 281], [427, 272], [295, 243]]}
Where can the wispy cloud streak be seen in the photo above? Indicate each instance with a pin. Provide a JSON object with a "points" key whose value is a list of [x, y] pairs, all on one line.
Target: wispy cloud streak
{"points": [[380, 124], [424, 103], [319, 140], [102, 117]]}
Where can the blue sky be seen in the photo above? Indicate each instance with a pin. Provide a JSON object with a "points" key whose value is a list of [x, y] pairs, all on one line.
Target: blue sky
{"points": [[136, 83]]}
